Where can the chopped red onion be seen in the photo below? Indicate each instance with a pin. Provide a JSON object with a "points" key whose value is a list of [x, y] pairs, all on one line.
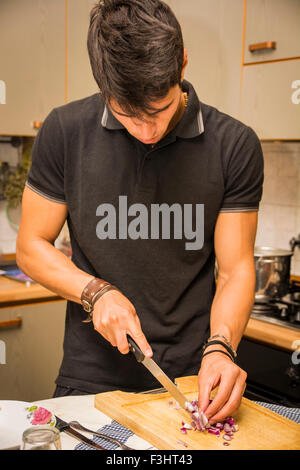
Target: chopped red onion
{"points": [[189, 406], [227, 427], [186, 425], [226, 444], [219, 425], [200, 423], [214, 431], [230, 421]]}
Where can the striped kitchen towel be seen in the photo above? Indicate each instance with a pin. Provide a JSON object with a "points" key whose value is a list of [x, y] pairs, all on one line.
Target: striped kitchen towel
{"points": [[290, 413]]}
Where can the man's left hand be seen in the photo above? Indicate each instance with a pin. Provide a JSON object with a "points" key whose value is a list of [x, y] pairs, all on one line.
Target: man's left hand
{"points": [[218, 370]]}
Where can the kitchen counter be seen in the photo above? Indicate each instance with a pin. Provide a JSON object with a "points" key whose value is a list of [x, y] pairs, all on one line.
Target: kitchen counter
{"points": [[274, 335], [20, 293]]}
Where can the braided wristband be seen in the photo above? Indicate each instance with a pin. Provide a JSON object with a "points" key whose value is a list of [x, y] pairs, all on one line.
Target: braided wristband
{"points": [[217, 350], [231, 352], [225, 339]]}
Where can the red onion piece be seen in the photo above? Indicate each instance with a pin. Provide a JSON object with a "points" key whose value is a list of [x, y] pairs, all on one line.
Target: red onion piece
{"points": [[230, 421], [214, 431], [189, 406], [227, 427], [226, 444], [200, 423], [219, 425]]}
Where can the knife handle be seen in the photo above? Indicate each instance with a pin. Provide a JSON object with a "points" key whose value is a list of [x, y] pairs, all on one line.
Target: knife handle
{"points": [[139, 355]]}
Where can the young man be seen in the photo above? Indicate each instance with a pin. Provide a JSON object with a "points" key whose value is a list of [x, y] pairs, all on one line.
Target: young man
{"points": [[155, 185]]}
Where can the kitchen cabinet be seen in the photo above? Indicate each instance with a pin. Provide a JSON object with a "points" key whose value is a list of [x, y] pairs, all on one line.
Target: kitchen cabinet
{"points": [[32, 51], [81, 82], [268, 99], [33, 350], [272, 21], [213, 36]]}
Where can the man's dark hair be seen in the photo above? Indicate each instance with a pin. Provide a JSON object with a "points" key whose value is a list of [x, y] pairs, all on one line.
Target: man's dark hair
{"points": [[136, 52]]}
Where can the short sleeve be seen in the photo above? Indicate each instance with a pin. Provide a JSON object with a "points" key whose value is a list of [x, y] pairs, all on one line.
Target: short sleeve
{"points": [[46, 174], [244, 175]]}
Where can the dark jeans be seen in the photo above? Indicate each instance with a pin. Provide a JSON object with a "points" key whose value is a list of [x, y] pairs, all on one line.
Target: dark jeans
{"points": [[66, 391]]}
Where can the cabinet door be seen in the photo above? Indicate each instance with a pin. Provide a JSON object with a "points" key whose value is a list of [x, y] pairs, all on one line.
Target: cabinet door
{"points": [[213, 35], [32, 51], [33, 351], [269, 99], [272, 20], [81, 82]]}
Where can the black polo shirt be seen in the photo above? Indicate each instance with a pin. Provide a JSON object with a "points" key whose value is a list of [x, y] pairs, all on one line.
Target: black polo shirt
{"points": [[83, 157]]}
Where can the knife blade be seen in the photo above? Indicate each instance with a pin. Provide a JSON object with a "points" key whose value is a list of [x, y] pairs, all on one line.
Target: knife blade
{"points": [[62, 426], [157, 372]]}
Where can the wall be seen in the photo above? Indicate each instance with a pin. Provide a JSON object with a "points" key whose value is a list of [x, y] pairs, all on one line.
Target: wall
{"points": [[279, 214]]}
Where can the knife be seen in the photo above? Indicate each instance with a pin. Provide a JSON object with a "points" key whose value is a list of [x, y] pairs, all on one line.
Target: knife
{"points": [[62, 426], [158, 373]]}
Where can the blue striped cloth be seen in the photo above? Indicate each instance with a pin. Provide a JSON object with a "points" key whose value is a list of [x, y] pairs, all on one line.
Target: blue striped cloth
{"points": [[290, 413], [120, 432]]}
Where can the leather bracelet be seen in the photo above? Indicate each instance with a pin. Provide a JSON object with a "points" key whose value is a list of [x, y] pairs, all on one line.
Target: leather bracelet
{"points": [[91, 293], [226, 341], [231, 352], [103, 291], [217, 350]]}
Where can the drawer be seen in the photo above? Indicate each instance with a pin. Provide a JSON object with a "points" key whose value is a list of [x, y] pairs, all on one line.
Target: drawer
{"points": [[269, 101], [272, 21]]}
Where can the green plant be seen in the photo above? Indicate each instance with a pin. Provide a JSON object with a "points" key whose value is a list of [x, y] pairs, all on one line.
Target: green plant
{"points": [[14, 185]]}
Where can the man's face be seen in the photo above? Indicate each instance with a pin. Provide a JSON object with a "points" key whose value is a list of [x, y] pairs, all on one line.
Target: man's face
{"points": [[151, 129]]}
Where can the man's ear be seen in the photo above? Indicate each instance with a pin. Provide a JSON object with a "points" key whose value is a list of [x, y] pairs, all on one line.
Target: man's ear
{"points": [[185, 62]]}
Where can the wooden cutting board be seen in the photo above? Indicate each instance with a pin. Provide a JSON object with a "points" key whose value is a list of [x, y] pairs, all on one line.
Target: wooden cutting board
{"points": [[151, 417]]}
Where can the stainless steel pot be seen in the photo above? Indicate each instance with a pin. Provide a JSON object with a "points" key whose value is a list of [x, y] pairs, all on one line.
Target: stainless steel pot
{"points": [[272, 272]]}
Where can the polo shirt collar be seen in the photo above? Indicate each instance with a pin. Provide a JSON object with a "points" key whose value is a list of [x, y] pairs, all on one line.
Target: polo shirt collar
{"points": [[190, 125]]}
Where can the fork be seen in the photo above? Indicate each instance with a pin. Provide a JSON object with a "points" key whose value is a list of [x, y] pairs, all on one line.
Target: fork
{"points": [[77, 425]]}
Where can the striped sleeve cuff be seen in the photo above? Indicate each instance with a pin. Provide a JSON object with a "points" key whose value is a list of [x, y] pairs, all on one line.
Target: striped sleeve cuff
{"points": [[45, 195], [240, 209]]}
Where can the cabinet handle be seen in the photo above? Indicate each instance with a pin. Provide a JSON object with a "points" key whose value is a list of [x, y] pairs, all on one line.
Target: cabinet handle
{"points": [[37, 124], [11, 323], [260, 46]]}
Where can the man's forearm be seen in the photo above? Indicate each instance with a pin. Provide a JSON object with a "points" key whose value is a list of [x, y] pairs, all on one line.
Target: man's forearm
{"points": [[233, 302], [51, 268]]}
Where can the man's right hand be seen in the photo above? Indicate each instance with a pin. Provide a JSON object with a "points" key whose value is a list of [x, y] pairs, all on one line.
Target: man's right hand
{"points": [[114, 317]]}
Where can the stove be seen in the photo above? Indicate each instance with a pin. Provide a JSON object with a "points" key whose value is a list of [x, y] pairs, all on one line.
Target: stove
{"points": [[273, 374], [283, 311]]}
